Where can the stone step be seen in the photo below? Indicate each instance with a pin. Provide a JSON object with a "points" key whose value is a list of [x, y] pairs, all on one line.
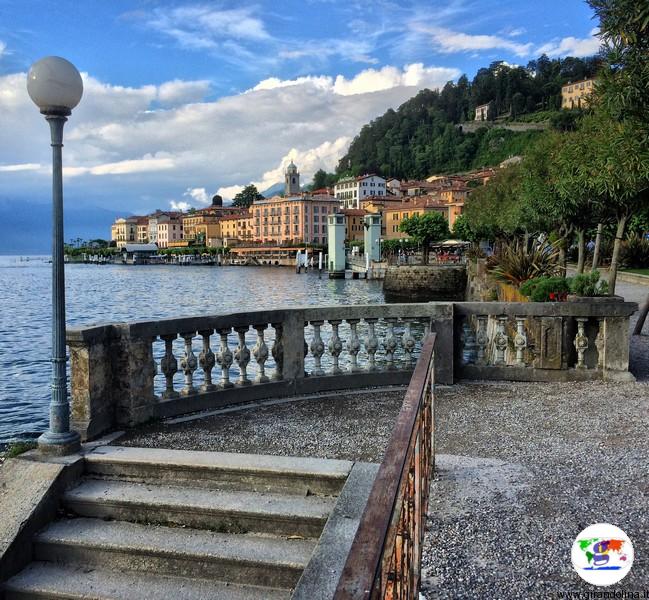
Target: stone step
{"points": [[217, 510], [260, 560], [40, 581], [220, 469]]}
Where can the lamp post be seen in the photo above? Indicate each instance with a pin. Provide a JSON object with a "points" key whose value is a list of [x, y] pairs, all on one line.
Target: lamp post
{"points": [[55, 86]]}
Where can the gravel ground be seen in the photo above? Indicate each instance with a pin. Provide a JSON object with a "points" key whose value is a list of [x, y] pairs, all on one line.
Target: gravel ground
{"points": [[353, 426], [541, 462]]}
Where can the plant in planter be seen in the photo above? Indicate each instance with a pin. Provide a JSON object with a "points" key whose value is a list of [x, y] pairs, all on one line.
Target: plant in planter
{"points": [[588, 285], [546, 289]]}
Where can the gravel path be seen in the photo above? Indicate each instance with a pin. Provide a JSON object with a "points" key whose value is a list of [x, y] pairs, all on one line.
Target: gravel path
{"points": [[353, 426], [521, 470]]}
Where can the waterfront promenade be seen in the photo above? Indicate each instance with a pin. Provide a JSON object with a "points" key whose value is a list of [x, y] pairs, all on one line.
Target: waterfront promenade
{"points": [[522, 468]]}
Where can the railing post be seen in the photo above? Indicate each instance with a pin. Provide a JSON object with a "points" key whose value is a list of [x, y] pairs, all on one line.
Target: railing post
{"points": [[133, 373], [293, 345], [614, 348], [442, 325], [92, 411]]}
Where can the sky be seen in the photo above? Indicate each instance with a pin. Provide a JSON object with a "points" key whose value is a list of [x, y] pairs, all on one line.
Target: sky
{"points": [[186, 99]]}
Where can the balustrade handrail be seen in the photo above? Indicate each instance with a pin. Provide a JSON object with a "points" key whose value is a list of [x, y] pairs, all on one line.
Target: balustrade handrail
{"points": [[235, 319], [385, 557]]}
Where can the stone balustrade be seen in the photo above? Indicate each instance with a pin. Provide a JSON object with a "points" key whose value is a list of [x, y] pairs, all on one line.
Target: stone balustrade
{"points": [[528, 341], [125, 374]]}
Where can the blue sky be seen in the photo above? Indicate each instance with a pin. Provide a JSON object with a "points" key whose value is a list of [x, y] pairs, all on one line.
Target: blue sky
{"points": [[183, 99]]}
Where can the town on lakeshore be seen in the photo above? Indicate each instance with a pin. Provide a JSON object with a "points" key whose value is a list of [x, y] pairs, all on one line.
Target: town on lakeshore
{"points": [[443, 395]]}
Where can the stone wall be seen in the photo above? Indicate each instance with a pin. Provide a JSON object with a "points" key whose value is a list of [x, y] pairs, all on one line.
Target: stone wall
{"points": [[420, 283]]}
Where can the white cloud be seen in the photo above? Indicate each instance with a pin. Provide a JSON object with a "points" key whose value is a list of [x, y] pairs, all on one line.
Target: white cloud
{"points": [[3, 48], [369, 80], [449, 41], [145, 155], [177, 91], [147, 164], [325, 156], [571, 46], [20, 167], [199, 195], [201, 27], [182, 206]]}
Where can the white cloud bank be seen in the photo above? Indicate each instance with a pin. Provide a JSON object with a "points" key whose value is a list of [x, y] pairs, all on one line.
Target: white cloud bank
{"points": [[449, 41], [369, 80], [571, 46], [137, 148]]}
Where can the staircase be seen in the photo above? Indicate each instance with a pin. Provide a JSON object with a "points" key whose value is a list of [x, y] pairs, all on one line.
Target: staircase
{"points": [[150, 523]]}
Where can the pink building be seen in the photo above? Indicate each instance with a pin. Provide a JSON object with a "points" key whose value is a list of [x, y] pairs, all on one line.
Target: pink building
{"points": [[297, 219]]}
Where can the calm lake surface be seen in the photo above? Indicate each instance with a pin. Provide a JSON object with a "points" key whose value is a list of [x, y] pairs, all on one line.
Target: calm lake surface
{"points": [[108, 293]]}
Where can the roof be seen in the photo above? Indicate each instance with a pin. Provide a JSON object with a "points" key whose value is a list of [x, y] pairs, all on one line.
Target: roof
{"points": [[141, 248], [353, 212]]}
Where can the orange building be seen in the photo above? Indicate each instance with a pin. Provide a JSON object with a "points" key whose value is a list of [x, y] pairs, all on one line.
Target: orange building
{"points": [[392, 217]]}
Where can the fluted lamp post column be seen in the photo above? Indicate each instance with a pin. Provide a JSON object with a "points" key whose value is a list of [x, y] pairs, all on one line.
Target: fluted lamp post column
{"points": [[55, 86]]}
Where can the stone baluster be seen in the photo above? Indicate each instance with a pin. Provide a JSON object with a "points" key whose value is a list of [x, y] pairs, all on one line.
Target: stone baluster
{"points": [[169, 366], [207, 360], [335, 347], [371, 344], [468, 343], [520, 341], [317, 348], [224, 358], [278, 352], [408, 342], [599, 343], [188, 364], [482, 340], [581, 342], [354, 345], [242, 356], [390, 343], [500, 341], [260, 353]]}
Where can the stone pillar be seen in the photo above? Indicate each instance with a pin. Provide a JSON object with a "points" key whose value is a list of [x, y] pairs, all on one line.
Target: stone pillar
{"points": [[614, 348], [133, 373], [293, 345], [91, 403], [442, 325]]}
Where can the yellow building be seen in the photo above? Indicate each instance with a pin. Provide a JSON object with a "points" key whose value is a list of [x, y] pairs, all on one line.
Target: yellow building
{"points": [[199, 227], [124, 231], [574, 95], [143, 230], [393, 217], [354, 223]]}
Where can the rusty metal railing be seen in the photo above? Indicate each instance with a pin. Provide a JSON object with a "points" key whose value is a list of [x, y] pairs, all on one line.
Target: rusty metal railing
{"points": [[385, 558]]}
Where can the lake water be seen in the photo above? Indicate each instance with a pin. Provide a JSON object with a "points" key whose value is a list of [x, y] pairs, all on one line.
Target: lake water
{"points": [[109, 293]]}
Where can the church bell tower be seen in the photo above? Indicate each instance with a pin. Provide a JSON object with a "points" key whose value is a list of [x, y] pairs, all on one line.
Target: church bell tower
{"points": [[291, 180]]}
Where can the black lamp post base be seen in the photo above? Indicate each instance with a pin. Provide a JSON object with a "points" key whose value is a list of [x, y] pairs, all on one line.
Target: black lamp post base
{"points": [[59, 444]]}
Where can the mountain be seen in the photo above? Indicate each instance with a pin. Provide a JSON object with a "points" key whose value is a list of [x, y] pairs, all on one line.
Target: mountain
{"points": [[422, 137], [274, 190], [27, 226]]}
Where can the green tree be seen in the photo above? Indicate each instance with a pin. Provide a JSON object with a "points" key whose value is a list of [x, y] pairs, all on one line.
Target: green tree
{"points": [[462, 230], [322, 179], [247, 196], [426, 228]]}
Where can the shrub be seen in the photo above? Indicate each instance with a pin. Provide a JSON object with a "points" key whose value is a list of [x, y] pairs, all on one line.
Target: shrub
{"points": [[516, 263], [588, 285], [635, 253], [546, 289]]}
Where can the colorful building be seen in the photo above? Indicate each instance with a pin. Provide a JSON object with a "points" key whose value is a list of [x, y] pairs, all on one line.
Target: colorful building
{"points": [[293, 220], [124, 231], [351, 191], [575, 95]]}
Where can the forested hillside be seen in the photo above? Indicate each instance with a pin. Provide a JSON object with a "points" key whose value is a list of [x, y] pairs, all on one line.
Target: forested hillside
{"points": [[421, 137]]}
